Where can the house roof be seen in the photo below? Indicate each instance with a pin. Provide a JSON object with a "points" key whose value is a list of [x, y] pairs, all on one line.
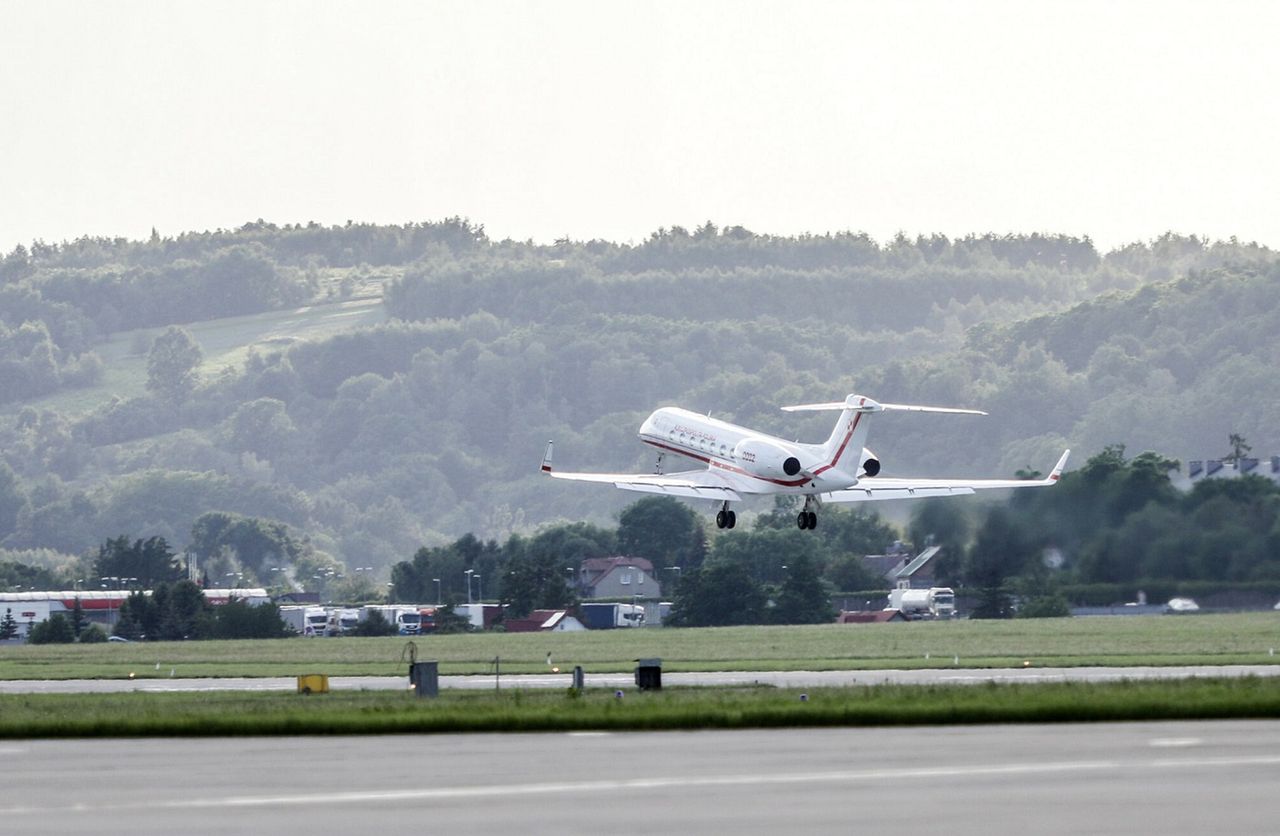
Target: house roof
{"points": [[605, 564], [536, 621], [918, 563]]}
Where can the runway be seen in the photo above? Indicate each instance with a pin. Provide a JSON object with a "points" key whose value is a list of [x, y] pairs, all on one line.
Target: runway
{"points": [[782, 679], [1185, 777]]}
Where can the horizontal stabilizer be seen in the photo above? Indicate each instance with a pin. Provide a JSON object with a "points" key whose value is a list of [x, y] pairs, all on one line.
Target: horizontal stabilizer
{"points": [[860, 403]]}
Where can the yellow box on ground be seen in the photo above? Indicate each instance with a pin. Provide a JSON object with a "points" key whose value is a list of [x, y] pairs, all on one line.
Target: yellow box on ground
{"points": [[313, 683]]}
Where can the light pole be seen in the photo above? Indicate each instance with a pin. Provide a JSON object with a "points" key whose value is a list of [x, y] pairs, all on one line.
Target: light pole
{"points": [[479, 589], [437, 580], [469, 573]]}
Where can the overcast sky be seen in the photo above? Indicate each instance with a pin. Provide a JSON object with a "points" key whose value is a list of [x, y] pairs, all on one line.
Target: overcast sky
{"points": [[608, 120]]}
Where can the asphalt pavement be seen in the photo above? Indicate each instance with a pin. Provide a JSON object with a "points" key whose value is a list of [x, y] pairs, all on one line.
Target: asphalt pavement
{"points": [[1170, 778]]}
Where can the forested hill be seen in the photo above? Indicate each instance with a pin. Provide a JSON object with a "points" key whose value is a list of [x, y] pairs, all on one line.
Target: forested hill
{"points": [[372, 440]]}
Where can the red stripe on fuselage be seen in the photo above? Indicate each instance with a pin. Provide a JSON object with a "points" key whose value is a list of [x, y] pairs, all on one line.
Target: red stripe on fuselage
{"points": [[795, 483], [710, 462]]}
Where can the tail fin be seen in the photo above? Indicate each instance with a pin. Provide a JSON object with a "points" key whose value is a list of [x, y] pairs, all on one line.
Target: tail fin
{"points": [[843, 450]]}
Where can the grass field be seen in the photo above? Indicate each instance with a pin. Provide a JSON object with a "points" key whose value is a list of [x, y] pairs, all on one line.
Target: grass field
{"points": [[225, 342], [1157, 640], [221, 714]]}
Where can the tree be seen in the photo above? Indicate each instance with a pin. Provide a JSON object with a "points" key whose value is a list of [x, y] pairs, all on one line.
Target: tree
{"points": [[93, 634], [56, 629], [144, 563], [375, 624], [173, 612], [1239, 449], [172, 364], [238, 619], [8, 625], [660, 529], [255, 542], [803, 599], [447, 621], [941, 522], [999, 552], [78, 621], [721, 593], [136, 618], [12, 499]]}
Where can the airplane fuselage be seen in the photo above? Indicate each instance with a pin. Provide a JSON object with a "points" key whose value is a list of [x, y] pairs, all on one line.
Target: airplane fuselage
{"points": [[753, 461]]}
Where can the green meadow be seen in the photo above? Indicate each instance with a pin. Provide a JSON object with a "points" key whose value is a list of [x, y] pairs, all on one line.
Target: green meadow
{"points": [[1251, 638], [225, 714]]}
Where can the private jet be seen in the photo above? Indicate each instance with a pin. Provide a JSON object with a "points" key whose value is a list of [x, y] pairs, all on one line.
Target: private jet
{"points": [[743, 462]]}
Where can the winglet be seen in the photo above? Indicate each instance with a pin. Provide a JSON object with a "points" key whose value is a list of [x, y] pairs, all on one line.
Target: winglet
{"points": [[1054, 474], [546, 459]]}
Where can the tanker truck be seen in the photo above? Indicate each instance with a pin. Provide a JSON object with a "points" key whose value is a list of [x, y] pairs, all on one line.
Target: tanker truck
{"points": [[937, 602]]}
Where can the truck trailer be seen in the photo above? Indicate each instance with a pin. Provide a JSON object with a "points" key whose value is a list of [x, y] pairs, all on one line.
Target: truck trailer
{"points": [[407, 620], [305, 620], [608, 616], [936, 602]]}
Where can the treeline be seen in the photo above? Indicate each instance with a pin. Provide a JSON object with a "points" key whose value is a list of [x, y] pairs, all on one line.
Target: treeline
{"points": [[1115, 523], [704, 574]]}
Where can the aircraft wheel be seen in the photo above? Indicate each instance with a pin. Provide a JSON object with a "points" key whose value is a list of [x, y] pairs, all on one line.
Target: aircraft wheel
{"points": [[802, 520], [732, 519], [722, 519], [813, 520]]}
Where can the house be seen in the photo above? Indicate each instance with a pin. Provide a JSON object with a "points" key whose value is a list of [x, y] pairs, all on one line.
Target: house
{"points": [[870, 617], [618, 577], [902, 570], [544, 621]]}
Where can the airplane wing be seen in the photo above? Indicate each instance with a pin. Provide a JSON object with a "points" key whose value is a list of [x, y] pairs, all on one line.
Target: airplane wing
{"points": [[704, 484], [881, 488]]}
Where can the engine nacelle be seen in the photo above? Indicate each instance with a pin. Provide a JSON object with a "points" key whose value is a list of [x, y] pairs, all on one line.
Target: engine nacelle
{"points": [[870, 465], [761, 458]]}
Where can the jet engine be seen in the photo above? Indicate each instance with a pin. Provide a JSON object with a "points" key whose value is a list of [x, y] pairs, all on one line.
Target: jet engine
{"points": [[870, 465], [761, 458]]}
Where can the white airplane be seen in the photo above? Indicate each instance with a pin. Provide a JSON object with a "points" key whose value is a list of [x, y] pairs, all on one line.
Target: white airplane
{"points": [[740, 462]]}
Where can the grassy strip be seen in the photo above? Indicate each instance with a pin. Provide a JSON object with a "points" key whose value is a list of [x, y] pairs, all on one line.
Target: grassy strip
{"points": [[1159, 640], [230, 714]]}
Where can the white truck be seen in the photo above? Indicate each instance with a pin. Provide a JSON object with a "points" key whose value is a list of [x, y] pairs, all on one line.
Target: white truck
{"points": [[936, 602], [342, 621], [305, 620], [407, 619], [607, 616]]}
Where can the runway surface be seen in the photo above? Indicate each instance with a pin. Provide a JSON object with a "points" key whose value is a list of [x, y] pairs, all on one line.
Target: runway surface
{"points": [[1184, 777], [787, 679]]}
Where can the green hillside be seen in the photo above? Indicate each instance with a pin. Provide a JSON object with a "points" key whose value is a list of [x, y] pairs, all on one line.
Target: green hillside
{"points": [[372, 427]]}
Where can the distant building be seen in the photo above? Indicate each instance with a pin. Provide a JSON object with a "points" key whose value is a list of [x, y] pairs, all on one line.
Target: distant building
{"points": [[1198, 470], [544, 621], [99, 606], [618, 577], [902, 570]]}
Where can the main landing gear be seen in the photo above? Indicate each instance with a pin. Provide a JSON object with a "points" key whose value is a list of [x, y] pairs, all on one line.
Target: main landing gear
{"points": [[808, 518], [726, 518]]}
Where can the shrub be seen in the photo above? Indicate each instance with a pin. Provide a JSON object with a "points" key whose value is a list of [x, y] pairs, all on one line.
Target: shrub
{"points": [[55, 630]]}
